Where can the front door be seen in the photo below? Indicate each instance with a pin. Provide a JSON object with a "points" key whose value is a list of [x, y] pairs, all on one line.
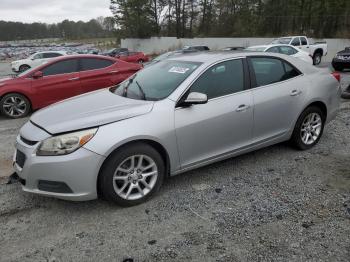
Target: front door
{"points": [[224, 123], [60, 81]]}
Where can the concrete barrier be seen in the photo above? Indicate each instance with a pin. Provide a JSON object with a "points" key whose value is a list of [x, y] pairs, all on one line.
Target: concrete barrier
{"points": [[158, 45]]}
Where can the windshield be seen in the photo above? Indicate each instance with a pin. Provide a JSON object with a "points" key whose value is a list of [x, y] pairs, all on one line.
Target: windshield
{"points": [[283, 40], [157, 81], [258, 48]]}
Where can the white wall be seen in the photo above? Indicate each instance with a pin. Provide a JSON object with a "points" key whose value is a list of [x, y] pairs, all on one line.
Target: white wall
{"points": [[157, 45]]}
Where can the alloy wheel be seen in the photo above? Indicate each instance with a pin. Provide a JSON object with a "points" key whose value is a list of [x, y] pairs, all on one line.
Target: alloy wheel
{"points": [[135, 177], [311, 128], [14, 106]]}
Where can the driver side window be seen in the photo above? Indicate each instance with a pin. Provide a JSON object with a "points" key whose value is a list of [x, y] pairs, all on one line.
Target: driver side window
{"points": [[288, 50], [221, 79]]}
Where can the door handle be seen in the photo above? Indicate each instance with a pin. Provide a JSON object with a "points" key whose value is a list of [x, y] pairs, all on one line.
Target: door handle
{"points": [[73, 79], [114, 72], [295, 93], [242, 108]]}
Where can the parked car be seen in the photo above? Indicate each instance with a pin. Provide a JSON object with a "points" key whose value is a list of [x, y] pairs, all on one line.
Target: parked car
{"points": [[233, 48], [115, 51], [173, 116], [342, 60], [316, 50], [59, 79], [168, 55], [133, 57], [35, 60], [283, 49], [196, 48]]}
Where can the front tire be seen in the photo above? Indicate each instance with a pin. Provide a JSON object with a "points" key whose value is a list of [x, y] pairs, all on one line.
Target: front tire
{"points": [[132, 175], [15, 105], [309, 128]]}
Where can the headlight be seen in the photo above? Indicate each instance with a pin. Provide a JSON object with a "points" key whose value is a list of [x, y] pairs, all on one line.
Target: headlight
{"points": [[65, 144]]}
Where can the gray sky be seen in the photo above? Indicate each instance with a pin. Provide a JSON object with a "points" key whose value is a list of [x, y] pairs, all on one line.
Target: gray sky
{"points": [[52, 11]]}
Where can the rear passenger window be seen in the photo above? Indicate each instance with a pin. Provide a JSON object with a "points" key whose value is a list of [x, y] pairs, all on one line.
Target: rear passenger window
{"points": [[271, 70], [303, 41], [220, 80], [92, 63]]}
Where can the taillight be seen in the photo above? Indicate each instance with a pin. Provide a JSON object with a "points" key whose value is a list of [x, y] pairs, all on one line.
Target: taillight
{"points": [[336, 76]]}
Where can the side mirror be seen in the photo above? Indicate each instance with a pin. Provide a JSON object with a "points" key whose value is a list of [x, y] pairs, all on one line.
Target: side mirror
{"points": [[38, 74], [195, 98]]}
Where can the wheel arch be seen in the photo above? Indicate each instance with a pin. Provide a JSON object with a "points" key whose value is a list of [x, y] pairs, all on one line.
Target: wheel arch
{"points": [[320, 105], [318, 51], [156, 145]]}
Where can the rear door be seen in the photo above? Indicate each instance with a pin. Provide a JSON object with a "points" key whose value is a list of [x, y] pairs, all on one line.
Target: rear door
{"points": [[60, 80], [224, 123], [96, 73], [304, 45], [278, 89], [296, 42]]}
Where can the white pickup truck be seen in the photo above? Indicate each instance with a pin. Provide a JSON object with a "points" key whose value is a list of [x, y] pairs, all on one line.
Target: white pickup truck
{"points": [[316, 50]]}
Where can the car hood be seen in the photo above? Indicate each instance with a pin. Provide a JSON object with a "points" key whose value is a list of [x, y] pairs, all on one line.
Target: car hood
{"points": [[89, 110]]}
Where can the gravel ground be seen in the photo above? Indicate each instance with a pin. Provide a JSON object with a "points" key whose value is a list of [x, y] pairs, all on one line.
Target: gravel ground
{"points": [[276, 204]]}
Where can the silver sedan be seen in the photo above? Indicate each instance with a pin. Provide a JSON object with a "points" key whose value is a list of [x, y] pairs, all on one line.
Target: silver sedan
{"points": [[173, 116]]}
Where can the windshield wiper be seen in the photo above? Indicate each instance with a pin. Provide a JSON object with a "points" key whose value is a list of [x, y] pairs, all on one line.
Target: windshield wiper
{"points": [[141, 90]]}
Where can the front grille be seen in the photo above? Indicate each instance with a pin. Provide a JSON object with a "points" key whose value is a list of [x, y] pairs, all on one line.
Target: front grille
{"points": [[20, 158], [28, 142]]}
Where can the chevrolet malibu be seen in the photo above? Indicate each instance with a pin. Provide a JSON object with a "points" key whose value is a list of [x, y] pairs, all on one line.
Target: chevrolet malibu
{"points": [[176, 115]]}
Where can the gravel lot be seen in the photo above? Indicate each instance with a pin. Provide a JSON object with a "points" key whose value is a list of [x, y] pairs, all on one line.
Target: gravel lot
{"points": [[276, 204]]}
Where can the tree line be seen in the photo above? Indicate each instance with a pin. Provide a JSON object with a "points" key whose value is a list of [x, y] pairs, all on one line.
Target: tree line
{"points": [[100, 27], [232, 18]]}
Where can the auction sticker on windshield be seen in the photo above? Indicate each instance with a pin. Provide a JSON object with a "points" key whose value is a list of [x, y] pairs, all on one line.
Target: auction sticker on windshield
{"points": [[178, 70]]}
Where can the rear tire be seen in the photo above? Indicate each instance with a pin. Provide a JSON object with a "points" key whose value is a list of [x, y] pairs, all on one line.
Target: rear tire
{"points": [[317, 58], [23, 68], [15, 106], [308, 128], [140, 62], [132, 175]]}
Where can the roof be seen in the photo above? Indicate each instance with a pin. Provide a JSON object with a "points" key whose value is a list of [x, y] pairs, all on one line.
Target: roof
{"points": [[52, 51], [212, 56]]}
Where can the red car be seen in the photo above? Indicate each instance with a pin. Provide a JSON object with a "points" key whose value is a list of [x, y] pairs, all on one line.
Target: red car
{"points": [[59, 79], [133, 57]]}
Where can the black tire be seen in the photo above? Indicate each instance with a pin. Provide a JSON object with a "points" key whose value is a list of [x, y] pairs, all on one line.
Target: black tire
{"points": [[296, 139], [23, 68], [18, 97], [317, 58], [140, 61], [105, 182]]}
